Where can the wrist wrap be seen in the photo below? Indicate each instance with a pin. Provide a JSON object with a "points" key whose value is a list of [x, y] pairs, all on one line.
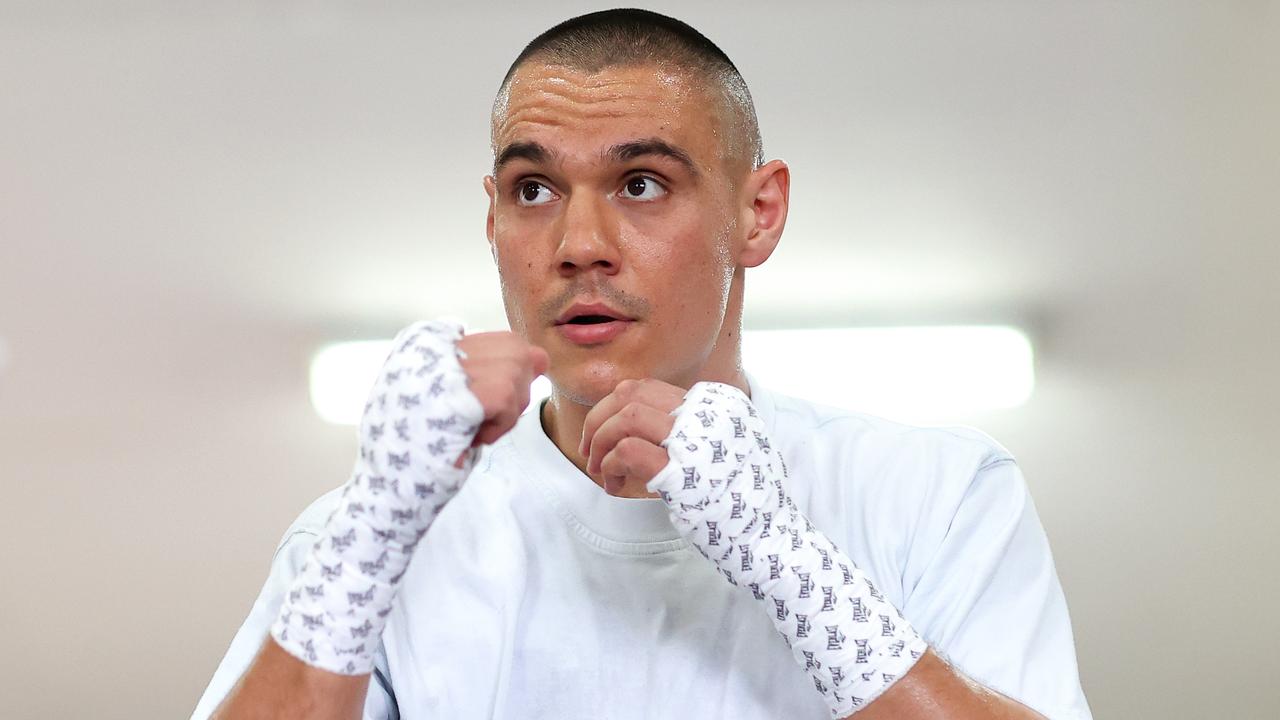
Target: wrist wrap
{"points": [[724, 488], [420, 418]]}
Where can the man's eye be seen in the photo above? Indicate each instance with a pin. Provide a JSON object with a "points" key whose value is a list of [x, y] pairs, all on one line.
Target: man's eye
{"points": [[533, 193], [642, 187]]}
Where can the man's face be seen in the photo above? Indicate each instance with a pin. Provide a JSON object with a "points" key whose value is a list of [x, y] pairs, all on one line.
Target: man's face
{"points": [[612, 190]]}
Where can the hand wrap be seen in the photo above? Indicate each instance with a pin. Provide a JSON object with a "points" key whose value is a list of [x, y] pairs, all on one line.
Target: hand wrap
{"points": [[723, 487], [419, 420]]}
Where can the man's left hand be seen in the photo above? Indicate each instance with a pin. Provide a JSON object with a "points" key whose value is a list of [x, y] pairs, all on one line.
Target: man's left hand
{"points": [[622, 435]]}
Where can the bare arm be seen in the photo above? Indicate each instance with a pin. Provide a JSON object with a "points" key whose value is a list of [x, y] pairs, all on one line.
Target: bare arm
{"points": [[932, 690], [706, 454], [426, 412], [279, 686]]}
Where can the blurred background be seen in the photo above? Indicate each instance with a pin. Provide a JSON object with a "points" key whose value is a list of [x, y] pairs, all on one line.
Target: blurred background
{"points": [[195, 197]]}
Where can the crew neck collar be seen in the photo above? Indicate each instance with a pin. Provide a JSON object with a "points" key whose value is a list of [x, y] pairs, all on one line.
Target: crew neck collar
{"points": [[627, 526]]}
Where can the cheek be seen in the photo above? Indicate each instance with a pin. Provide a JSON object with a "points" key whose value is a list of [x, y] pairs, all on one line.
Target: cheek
{"points": [[691, 230], [694, 252], [517, 279], [689, 273]]}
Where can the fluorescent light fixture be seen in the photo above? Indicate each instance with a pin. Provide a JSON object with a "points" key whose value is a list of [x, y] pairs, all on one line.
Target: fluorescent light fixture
{"points": [[910, 374], [342, 375]]}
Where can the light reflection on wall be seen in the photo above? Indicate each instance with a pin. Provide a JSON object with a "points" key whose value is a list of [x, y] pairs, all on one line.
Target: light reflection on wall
{"points": [[909, 374]]}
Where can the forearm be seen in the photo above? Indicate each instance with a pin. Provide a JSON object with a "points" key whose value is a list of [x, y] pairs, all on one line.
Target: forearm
{"points": [[724, 487], [933, 690], [280, 686], [414, 456]]}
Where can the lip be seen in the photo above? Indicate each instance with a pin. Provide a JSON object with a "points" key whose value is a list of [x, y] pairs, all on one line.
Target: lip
{"points": [[593, 334], [596, 333], [595, 308]]}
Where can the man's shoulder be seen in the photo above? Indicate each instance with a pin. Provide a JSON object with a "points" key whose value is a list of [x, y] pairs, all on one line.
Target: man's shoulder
{"points": [[846, 430], [887, 491], [312, 519]]}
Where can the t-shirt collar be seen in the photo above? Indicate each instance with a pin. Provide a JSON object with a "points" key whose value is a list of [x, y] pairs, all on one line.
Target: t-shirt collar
{"points": [[621, 525]]}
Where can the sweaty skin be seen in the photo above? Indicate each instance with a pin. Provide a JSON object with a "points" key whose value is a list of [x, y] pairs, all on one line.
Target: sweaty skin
{"points": [[670, 256], [673, 260]]}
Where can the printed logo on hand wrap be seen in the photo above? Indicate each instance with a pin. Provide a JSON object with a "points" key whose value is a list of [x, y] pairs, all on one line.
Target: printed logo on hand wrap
{"points": [[334, 614], [724, 488]]}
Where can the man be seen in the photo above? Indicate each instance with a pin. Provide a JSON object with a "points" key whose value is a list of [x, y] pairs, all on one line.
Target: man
{"points": [[662, 537]]}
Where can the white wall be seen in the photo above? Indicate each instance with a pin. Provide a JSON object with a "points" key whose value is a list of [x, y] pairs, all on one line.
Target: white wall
{"points": [[192, 200]]}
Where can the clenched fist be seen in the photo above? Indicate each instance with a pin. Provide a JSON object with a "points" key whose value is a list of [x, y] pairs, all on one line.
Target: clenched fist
{"points": [[500, 366], [622, 435]]}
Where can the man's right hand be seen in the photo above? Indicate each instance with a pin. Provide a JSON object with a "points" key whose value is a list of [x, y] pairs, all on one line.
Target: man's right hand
{"points": [[500, 366], [438, 396]]}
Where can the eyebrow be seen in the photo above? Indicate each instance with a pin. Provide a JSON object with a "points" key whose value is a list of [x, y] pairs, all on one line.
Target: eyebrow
{"points": [[531, 151], [622, 152]]}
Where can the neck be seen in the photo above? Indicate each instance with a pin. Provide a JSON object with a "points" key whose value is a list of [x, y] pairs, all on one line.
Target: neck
{"points": [[562, 418]]}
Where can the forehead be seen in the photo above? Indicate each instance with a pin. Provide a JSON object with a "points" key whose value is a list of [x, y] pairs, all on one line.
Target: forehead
{"points": [[576, 111]]}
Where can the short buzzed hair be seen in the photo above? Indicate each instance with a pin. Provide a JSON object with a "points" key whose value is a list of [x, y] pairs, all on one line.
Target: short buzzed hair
{"points": [[629, 37]]}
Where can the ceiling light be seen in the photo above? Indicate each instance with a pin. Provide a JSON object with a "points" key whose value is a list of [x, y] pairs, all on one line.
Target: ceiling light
{"points": [[342, 375], [910, 374]]}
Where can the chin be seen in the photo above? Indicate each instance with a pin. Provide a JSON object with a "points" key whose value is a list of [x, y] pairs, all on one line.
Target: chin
{"points": [[587, 383]]}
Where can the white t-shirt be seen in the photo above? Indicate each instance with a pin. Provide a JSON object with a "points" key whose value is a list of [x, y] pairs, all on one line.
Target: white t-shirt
{"points": [[537, 595]]}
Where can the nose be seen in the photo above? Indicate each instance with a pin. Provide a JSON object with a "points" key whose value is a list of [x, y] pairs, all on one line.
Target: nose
{"points": [[589, 239]]}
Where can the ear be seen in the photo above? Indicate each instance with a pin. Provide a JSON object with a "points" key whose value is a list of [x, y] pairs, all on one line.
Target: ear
{"points": [[766, 196], [490, 189]]}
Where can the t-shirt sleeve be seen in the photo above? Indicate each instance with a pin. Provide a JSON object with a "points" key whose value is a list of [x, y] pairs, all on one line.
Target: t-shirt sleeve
{"points": [[989, 600], [380, 702]]}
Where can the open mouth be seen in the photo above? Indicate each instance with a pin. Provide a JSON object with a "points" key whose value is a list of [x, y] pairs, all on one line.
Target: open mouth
{"points": [[589, 319], [588, 324]]}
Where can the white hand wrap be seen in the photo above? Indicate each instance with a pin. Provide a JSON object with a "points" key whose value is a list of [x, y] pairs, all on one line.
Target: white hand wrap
{"points": [[724, 489], [420, 418]]}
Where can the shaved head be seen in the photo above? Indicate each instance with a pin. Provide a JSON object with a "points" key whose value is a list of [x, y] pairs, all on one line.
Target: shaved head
{"points": [[628, 38]]}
